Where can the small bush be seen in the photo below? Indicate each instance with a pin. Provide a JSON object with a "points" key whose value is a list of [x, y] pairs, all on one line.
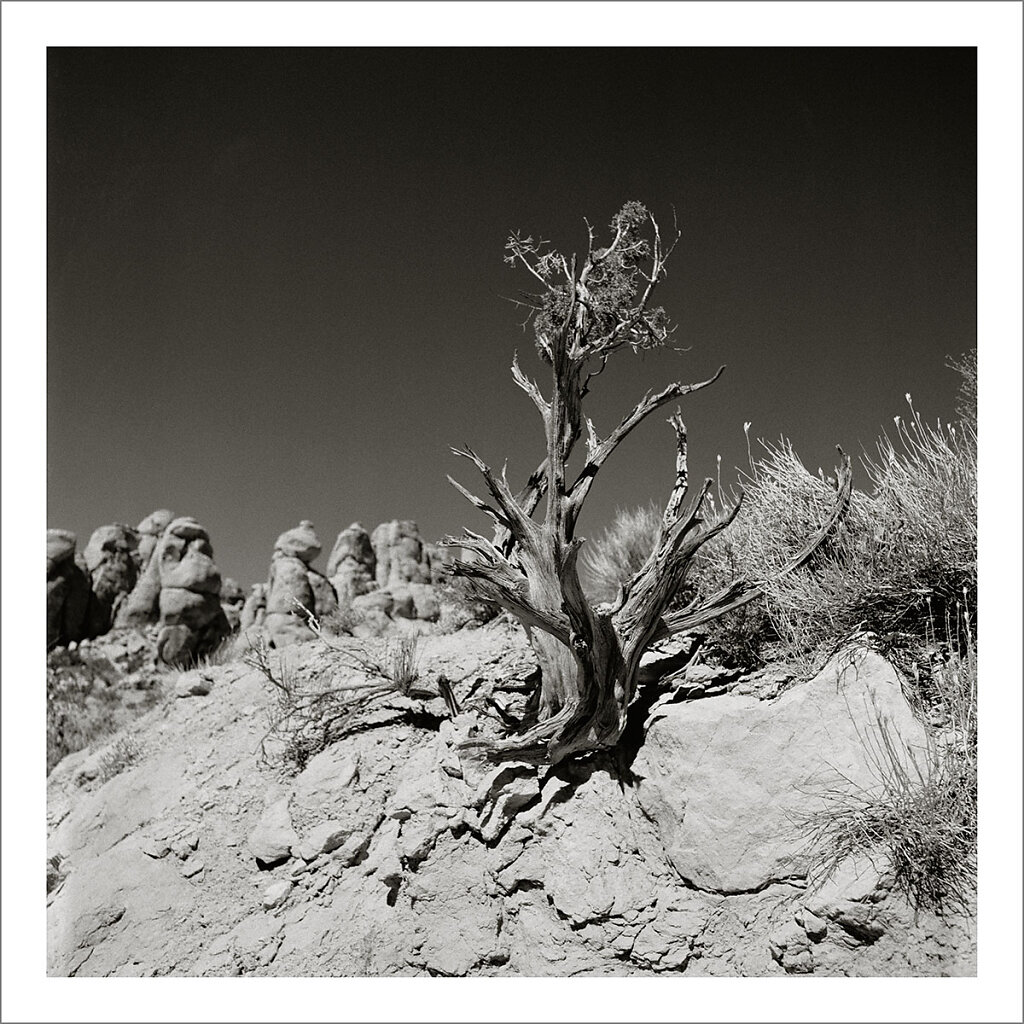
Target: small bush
{"points": [[123, 753], [225, 653], [311, 715], [460, 608], [343, 621], [401, 661]]}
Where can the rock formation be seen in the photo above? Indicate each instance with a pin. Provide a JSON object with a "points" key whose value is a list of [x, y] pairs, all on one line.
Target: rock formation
{"points": [[68, 593], [404, 570], [352, 566], [293, 586], [254, 611], [141, 607], [112, 561], [398, 548], [393, 852], [232, 601], [150, 530], [192, 622]]}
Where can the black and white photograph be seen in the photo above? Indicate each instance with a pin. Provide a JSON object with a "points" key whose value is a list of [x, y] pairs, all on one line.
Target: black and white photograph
{"points": [[512, 510]]}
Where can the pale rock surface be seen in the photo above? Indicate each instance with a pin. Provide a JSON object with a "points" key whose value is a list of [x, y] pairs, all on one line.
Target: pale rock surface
{"points": [[399, 552], [726, 779], [274, 837], [254, 611], [141, 607], [192, 622], [295, 588], [232, 602], [276, 893], [352, 565], [150, 530], [300, 542], [573, 878]]}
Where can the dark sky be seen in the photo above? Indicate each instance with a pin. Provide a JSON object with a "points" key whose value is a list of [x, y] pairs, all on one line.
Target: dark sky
{"points": [[275, 276]]}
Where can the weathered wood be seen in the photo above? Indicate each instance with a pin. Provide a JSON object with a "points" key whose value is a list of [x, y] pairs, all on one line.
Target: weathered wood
{"points": [[589, 657]]}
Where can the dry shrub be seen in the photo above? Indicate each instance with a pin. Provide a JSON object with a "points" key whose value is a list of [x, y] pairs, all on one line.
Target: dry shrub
{"points": [[905, 553], [310, 715], [903, 557], [460, 608]]}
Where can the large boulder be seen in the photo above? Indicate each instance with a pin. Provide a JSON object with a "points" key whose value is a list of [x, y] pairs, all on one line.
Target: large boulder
{"points": [[400, 555], [112, 561], [192, 622], [68, 594], [352, 564], [730, 781], [141, 606], [294, 588], [300, 542]]}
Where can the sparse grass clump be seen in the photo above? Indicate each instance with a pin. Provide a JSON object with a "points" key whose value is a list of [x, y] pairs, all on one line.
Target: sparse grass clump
{"points": [[124, 752], [225, 653]]}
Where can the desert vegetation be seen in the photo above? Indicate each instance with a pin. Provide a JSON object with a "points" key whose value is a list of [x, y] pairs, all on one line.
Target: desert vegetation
{"points": [[585, 311], [903, 559], [899, 574], [311, 713]]}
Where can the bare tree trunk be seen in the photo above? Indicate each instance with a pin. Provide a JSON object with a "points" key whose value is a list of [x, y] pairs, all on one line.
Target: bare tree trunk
{"points": [[589, 657]]}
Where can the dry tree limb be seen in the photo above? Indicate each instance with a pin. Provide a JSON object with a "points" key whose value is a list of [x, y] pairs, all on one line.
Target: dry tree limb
{"points": [[589, 657]]}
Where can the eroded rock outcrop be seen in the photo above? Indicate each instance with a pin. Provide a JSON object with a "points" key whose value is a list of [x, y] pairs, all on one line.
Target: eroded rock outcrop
{"points": [[141, 607], [192, 622], [404, 570], [254, 611], [112, 561], [295, 588], [352, 565], [396, 852], [400, 555], [68, 593]]}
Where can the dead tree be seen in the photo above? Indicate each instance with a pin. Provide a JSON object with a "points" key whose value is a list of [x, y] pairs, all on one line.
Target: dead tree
{"points": [[582, 313]]}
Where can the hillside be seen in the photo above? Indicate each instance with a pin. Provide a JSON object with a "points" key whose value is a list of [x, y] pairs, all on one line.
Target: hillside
{"points": [[393, 852]]}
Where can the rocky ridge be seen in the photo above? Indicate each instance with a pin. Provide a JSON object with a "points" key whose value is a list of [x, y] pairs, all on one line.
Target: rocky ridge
{"points": [[393, 853]]}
